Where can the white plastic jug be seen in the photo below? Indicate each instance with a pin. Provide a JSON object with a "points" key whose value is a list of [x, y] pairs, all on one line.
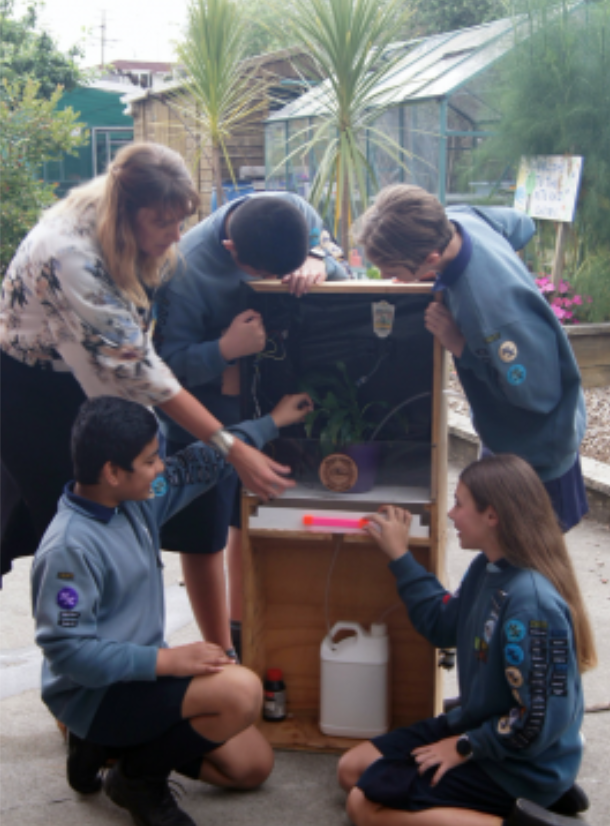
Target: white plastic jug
{"points": [[354, 682]]}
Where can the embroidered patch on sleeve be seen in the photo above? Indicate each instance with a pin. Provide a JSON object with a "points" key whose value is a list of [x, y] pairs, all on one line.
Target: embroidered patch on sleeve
{"points": [[508, 351], [516, 374], [159, 486], [514, 630], [65, 575], [514, 677], [513, 654], [67, 598], [68, 619]]}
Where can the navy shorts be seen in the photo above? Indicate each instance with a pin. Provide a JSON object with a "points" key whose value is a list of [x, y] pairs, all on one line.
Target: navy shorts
{"points": [[394, 781], [140, 712], [202, 526], [136, 712]]}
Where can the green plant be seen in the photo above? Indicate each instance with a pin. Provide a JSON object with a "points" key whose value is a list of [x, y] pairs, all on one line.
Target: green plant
{"points": [[348, 41], [26, 52], [339, 418], [33, 131], [593, 278], [553, 96], [222, 93]]}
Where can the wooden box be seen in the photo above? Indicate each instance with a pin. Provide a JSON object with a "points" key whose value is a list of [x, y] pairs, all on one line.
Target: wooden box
{"points": [[297, 581]]}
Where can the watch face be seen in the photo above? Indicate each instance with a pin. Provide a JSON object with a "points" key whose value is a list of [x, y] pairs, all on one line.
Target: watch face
{"points": [[464, 746]]}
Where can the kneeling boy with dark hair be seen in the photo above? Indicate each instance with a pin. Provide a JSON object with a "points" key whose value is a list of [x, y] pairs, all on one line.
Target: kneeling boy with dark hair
{"points": [[97, 592]]}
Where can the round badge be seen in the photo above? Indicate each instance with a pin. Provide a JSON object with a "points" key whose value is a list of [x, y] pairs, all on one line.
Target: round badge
{"points": [[514, 630], [67, 598], [513, 654], [508, 351], [517, 696], [338, 472], [159, 486], [504, 726], [514, 677], [516, 374]]}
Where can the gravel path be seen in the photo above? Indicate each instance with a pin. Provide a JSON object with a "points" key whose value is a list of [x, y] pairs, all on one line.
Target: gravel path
{"points": [[595, 445]]}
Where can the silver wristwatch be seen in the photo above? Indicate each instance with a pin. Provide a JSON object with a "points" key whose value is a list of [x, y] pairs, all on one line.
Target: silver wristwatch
{"points": [[222, 441]]}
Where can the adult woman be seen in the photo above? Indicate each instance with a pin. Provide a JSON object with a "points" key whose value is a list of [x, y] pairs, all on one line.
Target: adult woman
{"points": [[74, 321]]}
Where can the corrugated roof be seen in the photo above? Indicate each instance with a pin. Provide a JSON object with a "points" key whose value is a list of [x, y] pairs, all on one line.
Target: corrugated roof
{"points": [[433, 67]]}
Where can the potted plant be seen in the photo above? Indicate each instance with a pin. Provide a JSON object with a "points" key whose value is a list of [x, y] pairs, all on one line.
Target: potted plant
{"points": [[343, 427]]}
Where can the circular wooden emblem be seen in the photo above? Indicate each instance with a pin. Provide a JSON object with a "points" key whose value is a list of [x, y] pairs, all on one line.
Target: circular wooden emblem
{"points": [[338, 472]]}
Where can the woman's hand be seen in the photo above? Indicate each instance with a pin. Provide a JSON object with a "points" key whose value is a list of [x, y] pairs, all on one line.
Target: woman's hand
{"points": [[442, 754], [244, 336], [390, 530], [258, 472], [440, 323], [291, 409], [190, 660], [312, 271]]}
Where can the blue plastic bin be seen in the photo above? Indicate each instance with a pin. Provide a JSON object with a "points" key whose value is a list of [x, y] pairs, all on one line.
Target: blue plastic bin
{"points": [[232, 191]]}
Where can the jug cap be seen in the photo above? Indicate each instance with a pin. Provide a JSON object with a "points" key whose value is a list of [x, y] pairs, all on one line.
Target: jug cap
{"points": [[274, 674], [379, 629]]}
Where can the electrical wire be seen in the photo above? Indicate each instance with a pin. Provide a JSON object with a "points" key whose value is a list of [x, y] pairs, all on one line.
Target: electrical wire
{"points": [[396, 409]]}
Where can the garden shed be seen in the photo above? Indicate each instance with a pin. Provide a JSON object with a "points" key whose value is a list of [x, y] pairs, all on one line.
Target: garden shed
{"points": [[441, 106], [103, 114], [157, 117]]}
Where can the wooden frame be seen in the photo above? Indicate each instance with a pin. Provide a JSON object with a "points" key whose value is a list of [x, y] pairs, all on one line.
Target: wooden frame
{"points": [[298, 583]]}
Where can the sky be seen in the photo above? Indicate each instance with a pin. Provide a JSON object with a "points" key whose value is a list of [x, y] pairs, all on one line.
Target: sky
{"points": [[135, 29]]}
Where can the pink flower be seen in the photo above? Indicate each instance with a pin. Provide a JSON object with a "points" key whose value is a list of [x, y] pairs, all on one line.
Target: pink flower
{"points": [[558, 311], [577, 299], [563, 287]]}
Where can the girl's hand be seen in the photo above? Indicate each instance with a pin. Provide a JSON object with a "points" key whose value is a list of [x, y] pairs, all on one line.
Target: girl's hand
{"points": [[192, 659], [442, 754], [440, 323], [390, 530], [291, 409]]}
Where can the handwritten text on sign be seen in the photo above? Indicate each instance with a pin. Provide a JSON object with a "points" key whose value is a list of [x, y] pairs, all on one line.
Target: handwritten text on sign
{"points": [[547, 187]]}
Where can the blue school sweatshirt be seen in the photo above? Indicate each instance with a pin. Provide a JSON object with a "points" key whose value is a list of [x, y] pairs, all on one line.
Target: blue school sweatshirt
{"points": [[520, 688], [97, 584], [517, 369]]}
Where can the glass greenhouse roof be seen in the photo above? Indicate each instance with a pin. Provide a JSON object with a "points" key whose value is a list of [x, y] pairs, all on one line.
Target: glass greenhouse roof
{"points": [[433, 67]]}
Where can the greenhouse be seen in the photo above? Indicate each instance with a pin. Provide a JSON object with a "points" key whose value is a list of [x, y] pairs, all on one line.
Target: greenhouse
{"points": [[441, 107]]}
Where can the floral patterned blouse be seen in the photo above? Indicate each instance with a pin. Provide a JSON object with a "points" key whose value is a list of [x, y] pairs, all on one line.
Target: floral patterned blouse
{"points": [[59, 303]]}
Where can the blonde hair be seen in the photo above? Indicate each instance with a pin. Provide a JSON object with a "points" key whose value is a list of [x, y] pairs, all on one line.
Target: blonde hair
{"points": [[404, 225], [529, 534], [141, 175]]}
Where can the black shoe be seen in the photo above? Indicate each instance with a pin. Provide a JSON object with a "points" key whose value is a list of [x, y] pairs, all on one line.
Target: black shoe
{"points": [[573, 802], [149, 801], [85, 760], [526, 813]]}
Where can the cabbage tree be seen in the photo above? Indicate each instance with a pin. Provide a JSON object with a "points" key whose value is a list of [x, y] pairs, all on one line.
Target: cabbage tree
{"points": [[349, 41]]}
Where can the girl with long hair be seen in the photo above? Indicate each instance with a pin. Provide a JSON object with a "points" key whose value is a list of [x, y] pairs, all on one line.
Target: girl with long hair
{"points": [[75, 321], [512, 747]]}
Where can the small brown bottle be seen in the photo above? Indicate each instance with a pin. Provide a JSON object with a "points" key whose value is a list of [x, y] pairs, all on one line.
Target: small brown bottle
{"points": [[274, 705]]}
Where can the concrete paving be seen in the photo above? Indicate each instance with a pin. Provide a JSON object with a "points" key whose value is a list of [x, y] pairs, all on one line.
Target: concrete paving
{"points": [[302, 790]]}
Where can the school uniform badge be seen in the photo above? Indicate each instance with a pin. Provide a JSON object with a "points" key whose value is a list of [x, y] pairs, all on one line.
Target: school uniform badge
{"points": [[67, 598], [508, 351]]}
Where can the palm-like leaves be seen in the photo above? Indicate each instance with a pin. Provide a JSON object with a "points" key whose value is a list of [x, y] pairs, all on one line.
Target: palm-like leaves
{"points": [[343, 418], [222, 93], [348, 40]]}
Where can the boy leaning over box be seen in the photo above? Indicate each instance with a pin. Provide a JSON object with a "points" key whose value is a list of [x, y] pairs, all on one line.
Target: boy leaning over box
{"points": [[97, 593]]}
